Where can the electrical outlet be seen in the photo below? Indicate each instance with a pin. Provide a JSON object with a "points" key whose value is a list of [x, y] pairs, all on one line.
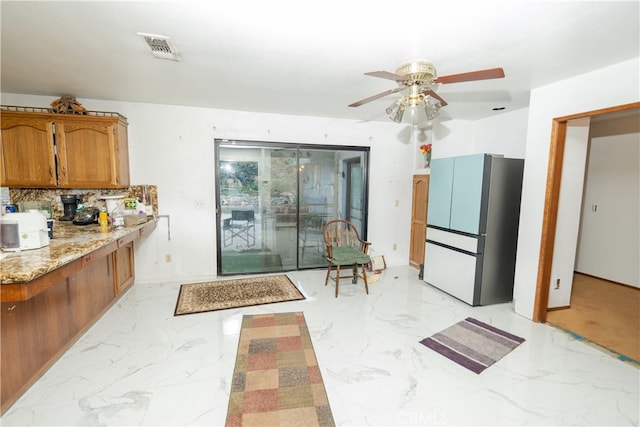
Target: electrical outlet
{"points": [[557, 283], [198, 203], [395, 246], [167, 258], [397, 203]]}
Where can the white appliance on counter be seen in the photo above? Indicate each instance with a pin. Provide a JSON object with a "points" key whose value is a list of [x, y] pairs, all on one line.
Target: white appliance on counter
{"points": [[23, 230], [472, 227]]}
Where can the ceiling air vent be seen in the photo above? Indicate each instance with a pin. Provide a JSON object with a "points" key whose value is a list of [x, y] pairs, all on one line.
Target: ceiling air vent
{"points": [[161, 46]]}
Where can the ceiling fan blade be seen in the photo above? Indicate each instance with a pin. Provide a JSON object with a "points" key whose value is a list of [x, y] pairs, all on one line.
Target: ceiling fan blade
{"points": [[431, 93], [376, 96], [491, 73], [386, 75]]}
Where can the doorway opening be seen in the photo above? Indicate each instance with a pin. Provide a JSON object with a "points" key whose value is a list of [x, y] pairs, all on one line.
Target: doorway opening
{"points": [[550, 216], [273, 200]]}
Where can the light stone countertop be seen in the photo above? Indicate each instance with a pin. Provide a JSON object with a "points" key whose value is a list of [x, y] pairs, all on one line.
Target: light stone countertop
{"points": [[70, 242]]}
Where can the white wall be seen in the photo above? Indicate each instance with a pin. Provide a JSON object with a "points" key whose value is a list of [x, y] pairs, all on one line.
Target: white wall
{"points": [[172, 147], [452, 138], [609, 240], [583, 93], [570, 201], [503, 134], [181, 139]]}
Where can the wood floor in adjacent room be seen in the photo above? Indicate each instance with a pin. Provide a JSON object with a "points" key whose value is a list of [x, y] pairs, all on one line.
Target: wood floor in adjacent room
{"points": [[603, 312]]}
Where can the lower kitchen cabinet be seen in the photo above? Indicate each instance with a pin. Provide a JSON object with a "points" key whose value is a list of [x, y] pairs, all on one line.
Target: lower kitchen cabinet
{"points": [[36, 331], [125, 267], [42, 317]]}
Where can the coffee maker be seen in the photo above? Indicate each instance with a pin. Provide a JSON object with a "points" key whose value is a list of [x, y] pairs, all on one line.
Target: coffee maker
{"points": [[70, 204]]}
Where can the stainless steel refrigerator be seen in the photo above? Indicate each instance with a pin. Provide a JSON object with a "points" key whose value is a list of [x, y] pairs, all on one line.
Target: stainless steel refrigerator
{"points": [[472, 227]]}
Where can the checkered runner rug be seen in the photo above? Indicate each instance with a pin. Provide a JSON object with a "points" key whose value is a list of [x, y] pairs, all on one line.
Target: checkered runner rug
{"points": [[276, 379]]}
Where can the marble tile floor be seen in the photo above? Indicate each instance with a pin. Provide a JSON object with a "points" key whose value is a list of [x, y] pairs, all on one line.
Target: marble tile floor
{"points": [[140, 365]]}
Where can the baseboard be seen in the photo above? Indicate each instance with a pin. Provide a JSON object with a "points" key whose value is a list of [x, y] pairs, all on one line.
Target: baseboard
{"points": [[607, 280], [564, 307]]}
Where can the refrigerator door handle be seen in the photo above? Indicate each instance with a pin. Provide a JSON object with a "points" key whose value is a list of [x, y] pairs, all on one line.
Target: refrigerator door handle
{"points": [[453, 248]]}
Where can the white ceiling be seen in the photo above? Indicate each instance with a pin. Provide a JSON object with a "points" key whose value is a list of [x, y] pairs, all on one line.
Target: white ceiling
{"points": [[307, 58]]}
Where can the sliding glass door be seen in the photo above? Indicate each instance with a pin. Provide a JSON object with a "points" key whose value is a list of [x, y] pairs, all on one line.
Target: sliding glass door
{"points": [[274, 199]]}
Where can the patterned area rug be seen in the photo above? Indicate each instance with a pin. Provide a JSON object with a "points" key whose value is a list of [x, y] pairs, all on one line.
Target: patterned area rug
{"points": [[473, 344], [223, 294], [276, 379]]}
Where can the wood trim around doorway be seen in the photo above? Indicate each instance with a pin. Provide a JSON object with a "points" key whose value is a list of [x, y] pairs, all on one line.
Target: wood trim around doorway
{"points": [[552, 197]]}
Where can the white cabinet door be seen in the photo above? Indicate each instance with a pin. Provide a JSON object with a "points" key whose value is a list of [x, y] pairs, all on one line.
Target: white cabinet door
{"points": [[451, 271]]}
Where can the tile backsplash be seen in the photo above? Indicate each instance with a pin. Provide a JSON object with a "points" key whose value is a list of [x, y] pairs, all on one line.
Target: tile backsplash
{"points": [[90, 196]]}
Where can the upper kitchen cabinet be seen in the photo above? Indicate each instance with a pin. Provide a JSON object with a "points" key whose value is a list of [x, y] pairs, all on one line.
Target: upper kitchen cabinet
{"points": [[92, 152], [28, 153], [43, 149]]}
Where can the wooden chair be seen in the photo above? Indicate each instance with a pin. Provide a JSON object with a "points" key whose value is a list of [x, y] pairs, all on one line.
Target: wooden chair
{"points": [[345, 247]]}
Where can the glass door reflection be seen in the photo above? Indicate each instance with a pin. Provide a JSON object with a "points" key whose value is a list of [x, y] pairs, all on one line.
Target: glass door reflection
{"points": [[318, 204], [274, 199]]}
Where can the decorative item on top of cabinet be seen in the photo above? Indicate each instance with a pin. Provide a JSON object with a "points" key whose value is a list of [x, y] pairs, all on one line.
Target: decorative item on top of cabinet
{"points": [[42, 149], [68, 105]]}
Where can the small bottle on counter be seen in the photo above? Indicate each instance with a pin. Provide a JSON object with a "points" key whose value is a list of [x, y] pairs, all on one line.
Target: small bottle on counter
{"points": [[103, 218]]}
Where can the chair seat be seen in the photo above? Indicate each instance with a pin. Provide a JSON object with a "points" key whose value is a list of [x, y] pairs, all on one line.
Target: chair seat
{"points": [[344, 255]]}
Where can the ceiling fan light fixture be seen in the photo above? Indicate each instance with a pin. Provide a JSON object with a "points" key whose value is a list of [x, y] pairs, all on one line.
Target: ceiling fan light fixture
{"points": [[419, 76], [432, 108], [417, 70], [431, 112], [396, 110], [433, 102]]}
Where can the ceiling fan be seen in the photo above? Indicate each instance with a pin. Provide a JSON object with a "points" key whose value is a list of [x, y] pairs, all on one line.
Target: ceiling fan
{"points": [[420, 78]]}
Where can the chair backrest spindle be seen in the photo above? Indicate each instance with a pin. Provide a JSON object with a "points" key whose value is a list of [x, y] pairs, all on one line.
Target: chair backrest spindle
{"points": [[341, 233]]}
